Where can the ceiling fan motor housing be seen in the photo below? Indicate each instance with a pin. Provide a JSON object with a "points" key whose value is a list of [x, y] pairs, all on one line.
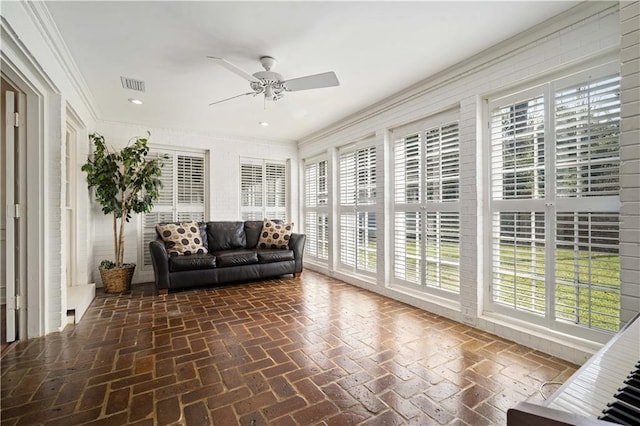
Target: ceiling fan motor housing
{"points": [[270, 82]]}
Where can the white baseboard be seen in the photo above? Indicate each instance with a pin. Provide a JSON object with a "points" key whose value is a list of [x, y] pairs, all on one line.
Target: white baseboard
{"points": [[79, 297]]}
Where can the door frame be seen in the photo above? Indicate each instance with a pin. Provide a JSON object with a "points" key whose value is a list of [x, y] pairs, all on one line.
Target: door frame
{"points": [[42, 101], [15, 265]]}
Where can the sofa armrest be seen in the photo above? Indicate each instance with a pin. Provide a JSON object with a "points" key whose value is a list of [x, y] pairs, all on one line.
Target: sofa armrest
{"points": [[296, 243], [160, 261]]}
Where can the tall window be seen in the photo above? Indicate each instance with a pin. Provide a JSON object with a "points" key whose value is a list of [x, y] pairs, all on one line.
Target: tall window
{"points": [[263, 189], [316, 211], [555, 201], [426, 210], [182, 197], [70, 202], [357, 193]]}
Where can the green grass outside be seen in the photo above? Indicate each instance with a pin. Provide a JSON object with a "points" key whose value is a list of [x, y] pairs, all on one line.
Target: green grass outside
{"points": [[597, 273]]}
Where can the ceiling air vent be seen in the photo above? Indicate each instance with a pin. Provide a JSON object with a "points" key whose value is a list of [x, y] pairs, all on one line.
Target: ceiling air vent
{"points": [[130, 83]]}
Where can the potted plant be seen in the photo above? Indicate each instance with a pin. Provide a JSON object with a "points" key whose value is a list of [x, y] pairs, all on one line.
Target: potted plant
{"points": [[125, 182]]}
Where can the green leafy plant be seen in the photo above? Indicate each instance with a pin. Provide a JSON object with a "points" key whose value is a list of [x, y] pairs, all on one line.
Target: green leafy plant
{"points": [[107, 264], [125, 182]]}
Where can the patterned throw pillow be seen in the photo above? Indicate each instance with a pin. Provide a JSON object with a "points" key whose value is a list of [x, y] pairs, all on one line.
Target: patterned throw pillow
{"points": [[181, 238], [275, 235]]}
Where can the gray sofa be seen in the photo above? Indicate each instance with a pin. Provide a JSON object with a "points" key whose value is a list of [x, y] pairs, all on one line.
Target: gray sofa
{"points": [[233, 257]]}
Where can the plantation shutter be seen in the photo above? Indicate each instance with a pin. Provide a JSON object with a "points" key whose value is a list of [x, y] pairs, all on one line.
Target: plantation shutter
{"points": [[517, 150], [182, 196], [263, 189], [519, 260], [587, 132], [316, 224], [555, 202], [442, 157], [190, 179], [276, 191], [357, 195], [408, 170], [251, 191], [408, 254], [166, 193], [426, 216], [587, 138], [518, 228]]}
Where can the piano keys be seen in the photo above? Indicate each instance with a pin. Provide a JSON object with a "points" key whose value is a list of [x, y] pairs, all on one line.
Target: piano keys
{"points": [[626, 408], [607, 382]]}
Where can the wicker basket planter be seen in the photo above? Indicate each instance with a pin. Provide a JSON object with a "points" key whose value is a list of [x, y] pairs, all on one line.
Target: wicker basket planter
{"points": [[118, 280]]}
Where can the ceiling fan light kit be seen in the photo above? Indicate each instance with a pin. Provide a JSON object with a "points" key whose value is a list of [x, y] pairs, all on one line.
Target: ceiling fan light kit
{"points": [[272, 84]]}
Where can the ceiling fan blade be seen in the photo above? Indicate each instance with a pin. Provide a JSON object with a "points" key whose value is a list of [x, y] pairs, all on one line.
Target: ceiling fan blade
{"points": [[327, 79], [234, 69], [233, 97]]}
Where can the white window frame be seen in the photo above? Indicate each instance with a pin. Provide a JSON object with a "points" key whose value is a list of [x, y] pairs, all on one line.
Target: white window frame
{"points": [[316, 207], [168, 207], [261, 209], [549, 205], [422, 207]]}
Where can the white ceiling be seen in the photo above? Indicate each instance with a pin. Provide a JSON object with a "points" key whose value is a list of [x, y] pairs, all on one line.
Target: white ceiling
{"points": [[375, 48]]}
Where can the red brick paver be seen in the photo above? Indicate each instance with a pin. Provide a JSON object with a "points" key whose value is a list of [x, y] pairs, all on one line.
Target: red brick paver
{"points": [[312, 350]]}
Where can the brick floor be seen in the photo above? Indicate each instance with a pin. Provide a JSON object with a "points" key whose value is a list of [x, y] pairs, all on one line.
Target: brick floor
{"points": [[312, 350]]}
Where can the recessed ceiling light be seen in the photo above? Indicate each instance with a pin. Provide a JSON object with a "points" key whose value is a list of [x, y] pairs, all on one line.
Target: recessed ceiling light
{"points": [[263, 123], [135, 101]]}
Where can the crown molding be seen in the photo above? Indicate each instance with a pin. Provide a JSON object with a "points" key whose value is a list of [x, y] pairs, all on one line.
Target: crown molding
{"points": [[13, 47], [42, 19]]}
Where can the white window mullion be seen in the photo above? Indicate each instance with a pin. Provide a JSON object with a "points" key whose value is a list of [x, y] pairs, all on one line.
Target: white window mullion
{"points": [[550, 209]]}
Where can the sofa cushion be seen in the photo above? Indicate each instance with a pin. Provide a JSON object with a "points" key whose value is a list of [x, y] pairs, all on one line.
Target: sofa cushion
{"points": [[201, 225], [274, 255], [191, 262], [226, 236], [181, 238], [235, 257], [275, 235], [253, 229]]}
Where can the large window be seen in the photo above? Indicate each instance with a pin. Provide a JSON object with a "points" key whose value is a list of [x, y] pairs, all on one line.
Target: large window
{"points": [[316, 212], [182, 196], [426, 249], [263, 189], [357, 195], [555, 203]]}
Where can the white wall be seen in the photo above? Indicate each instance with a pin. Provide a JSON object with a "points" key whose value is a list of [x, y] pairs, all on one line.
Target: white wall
{"points": [[582, 37], [224, 155], [630, 159], [48, 77]]}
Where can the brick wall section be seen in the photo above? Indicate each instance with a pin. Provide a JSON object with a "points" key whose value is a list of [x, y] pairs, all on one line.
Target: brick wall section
{"points": [[630, 159]]}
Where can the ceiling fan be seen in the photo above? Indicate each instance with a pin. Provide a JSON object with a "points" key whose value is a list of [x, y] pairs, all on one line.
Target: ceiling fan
{"points": [[272, 84]]}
